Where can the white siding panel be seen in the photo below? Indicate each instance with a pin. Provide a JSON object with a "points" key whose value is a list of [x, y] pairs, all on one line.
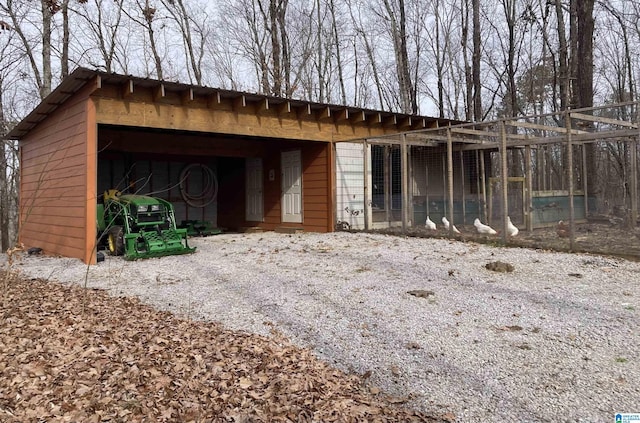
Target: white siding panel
{"points": [[350, 201]]}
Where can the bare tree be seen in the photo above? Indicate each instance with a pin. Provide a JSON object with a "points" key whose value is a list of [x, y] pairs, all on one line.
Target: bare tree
{"points": [[146, 18], [104, 22], [477, 47], [194, 34], [396, 15]]}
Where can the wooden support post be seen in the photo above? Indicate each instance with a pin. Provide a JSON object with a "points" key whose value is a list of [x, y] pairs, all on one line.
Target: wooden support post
{"points": [[570, 180], [478, 183], [464, 208], [367, 201], [450, 178], [584, 180], [426, 183], [404, 170], [483, 182], [504, 180], [633, 153], [445, 202], [387, 183], [528, 215]]}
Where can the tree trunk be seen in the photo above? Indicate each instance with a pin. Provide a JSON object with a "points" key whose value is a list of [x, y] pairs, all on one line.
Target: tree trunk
{"points": [[5, 243], [408, 102], [149, 13], [64, 60], [563, 63], [477, 86], [468, 69], [336, 40], [45, 88]]}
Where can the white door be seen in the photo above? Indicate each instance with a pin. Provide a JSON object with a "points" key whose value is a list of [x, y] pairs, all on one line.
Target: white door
{"points": [[254, 201], [291, 164]]}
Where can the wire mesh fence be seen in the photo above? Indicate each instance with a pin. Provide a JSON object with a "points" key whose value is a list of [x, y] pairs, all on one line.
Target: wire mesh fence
{"points": [[566, 181]]}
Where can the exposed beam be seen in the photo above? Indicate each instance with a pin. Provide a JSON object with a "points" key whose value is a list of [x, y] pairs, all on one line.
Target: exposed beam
{"points": [[214, 99], [585, 137], [358, 117], [600, 119], [239, 103], [263, 105], [390, 120], [342, 115], [127, 88], [376, 119], [303, 111], [479, 132], [538, 126], [325, 113], [419, 123], [284, 108], [187, 96], [405, 122], [159, 92]]}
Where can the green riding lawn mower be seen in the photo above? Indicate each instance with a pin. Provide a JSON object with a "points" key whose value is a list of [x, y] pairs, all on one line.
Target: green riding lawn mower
{"points": [[140, 226]]}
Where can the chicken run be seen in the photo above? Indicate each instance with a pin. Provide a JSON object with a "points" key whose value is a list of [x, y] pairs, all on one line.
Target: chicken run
{"points": [[563, 181]]}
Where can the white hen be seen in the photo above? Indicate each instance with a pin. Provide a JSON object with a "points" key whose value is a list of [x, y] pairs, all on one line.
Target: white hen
{"points": [[445, 222], [512, 229], [430, 224], [483, 229]]}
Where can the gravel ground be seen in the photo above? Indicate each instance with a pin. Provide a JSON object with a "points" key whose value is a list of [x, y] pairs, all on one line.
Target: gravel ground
{"points": [[555, 340]]}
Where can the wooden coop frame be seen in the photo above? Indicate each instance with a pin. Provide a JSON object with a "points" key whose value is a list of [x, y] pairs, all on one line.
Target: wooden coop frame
{"points": [[573, 127]]}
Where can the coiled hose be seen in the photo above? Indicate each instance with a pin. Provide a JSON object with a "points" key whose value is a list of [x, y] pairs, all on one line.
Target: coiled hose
{"points": [[209, 186]]}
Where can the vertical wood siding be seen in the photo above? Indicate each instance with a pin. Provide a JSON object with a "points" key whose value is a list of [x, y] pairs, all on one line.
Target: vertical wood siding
{"points": [[55, 177]]}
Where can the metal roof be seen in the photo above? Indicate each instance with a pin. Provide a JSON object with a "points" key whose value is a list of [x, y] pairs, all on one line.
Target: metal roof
{"points": [[81, 76]]}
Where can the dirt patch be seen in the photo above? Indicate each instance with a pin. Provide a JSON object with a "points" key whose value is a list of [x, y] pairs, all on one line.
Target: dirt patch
{"points": [[74, 354], [597, 238]]}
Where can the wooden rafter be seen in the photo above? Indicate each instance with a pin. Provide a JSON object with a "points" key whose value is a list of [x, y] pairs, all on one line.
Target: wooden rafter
{"points": [[600, 119], [530, 125]]}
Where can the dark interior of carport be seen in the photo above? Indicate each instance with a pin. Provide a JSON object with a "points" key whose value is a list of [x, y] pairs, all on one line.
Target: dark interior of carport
{"points": [[201, 174]]}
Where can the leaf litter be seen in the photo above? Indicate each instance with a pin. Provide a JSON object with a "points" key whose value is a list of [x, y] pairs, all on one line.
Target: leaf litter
{"points": [[69, 354]]}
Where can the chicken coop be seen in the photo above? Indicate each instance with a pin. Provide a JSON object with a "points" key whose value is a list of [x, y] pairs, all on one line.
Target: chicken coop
{"points": [[566, 181]]}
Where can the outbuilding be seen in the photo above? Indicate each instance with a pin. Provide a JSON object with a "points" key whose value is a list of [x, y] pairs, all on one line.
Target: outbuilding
{"points": [[235, 159]]}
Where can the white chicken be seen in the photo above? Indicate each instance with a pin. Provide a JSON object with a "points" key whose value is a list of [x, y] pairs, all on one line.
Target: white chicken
{"points": [[483, 229], [430, 224], [445, 222], [511, 228]]}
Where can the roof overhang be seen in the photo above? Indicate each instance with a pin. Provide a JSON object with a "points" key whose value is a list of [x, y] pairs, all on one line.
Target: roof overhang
{"points": [[81, 77]]}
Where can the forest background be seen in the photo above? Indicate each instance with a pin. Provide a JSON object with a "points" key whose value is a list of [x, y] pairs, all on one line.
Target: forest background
{"points": [[461, 59]]}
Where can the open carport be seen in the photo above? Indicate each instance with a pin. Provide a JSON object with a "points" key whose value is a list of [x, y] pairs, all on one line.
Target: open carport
{"points": [[236, 160]]}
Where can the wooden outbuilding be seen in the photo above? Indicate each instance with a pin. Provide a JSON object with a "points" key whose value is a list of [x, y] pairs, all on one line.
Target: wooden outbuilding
{"points": [[237, 160]]}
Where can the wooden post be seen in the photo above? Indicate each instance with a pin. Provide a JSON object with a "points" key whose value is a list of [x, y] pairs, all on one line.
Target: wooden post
{"points": [[450, 177], [570, 180], [387, 183], [464, 207], [584, 180], [528, 215], [445, 202], [367, 202], [503, 179], [483, 182], [478, 181], [404, 170], [426, 182], [634, 182]]}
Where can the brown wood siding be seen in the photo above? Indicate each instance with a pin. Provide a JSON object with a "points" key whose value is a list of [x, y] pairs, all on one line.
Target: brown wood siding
{"points": [[315, 187], [54, 189]]}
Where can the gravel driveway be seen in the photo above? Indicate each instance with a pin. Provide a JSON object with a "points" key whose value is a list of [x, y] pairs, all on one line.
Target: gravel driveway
{"points": [[555, 340]]}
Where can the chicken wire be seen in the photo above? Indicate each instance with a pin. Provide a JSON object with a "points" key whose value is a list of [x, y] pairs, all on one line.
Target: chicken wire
{"points": [[565, 184]]}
